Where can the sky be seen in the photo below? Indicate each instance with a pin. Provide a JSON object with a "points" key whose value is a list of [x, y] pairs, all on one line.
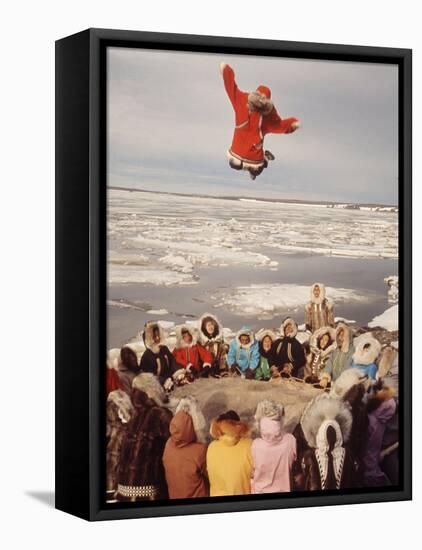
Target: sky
{"points": [[170, 124]]}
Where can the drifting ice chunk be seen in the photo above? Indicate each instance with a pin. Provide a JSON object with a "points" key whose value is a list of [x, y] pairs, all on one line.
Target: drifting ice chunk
{"points": [[388, 320]]}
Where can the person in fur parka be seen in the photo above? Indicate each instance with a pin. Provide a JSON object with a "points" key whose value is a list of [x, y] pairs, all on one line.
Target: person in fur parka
{"points": [[381, 407], [185, 452], [367, 349], [229, 458], [157, 358], [119, 412], [341, 358], [324, 458], [321, 345], [189, 354], [319, 312], [266, 339], [255, 117], [211, 337], [274, 452], [288, 354], [243, 357], [141, 472]]}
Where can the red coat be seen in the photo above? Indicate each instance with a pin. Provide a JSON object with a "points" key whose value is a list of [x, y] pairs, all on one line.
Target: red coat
{"points": [[112, 381], [195, 355], [251, 126]]}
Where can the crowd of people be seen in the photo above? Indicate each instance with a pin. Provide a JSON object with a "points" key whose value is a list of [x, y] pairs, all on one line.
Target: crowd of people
{"points": [[157, 449]]}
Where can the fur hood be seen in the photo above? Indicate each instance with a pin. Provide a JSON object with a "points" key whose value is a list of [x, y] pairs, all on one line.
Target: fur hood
{"points": [[366, 356], [261, 334], [190, 406], [321, 297], [325, 407], [120, 401], [148, 383], [228, 431], [346, 381], [203, 336], [348, 340], [245, 330], [148, 339], [180, 343], [260, 100], [317, 335], [283, 326], [268, 409]]}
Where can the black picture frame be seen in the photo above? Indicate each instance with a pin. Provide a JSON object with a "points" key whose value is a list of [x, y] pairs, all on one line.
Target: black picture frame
{"points": [[81, 269]]}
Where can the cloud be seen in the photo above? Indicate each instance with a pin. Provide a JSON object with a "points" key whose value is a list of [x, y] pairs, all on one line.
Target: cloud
{"points": [[170, 123]]}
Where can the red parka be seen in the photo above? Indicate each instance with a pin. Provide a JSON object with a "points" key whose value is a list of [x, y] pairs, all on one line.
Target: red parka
{"points": [[191, 354], [251, 126]]}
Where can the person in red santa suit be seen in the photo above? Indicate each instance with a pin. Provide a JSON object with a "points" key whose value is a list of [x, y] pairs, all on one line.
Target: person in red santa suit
{"points": [[190, 355], [255, 117]]}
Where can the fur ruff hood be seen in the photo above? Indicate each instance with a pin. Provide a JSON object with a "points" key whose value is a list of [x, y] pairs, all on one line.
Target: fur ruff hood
{"points": [[203, 336], [260, 100], [322, 408], [150, 384], [261, 334], [317, 335], [286, 322], [346, 381], [148, 338], [366, 356], [229, 431], [180, 343], [321, 297], [347, 337], [190, 406], [245, 330]]}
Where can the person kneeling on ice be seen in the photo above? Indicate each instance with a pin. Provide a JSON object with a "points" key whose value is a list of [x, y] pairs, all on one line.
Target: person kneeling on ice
{"points": [[243, 357], [266, 339], [157, 358], [274, 452], [255, 117], [288, 354], [185, 452], [229, 459], [322, 344], [189, 354], [319, 312], [341, 358], [367, 351], [211, 337]]}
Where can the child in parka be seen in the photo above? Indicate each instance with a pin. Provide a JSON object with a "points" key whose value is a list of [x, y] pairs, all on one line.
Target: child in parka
{"points": [[157, 358], [189, 354], [255, 117], [243, 357], [185, 452], [288, 354], [367, 349], [341, 358], [211, 337], [321, 345], [274, 452], [229, 459], [319, 312], [266, 339]]}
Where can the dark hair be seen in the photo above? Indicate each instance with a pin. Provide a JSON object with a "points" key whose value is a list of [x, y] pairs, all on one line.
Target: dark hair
{"points": [[229, 415], [330, 341], [207, 319], [129, 359]]}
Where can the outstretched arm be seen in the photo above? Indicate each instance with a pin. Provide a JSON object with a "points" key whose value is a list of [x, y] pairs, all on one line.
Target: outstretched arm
{"points": [[230, 83], [274, 124]]}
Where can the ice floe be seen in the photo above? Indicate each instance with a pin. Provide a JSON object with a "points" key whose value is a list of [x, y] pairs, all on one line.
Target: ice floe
{"points": [[265, 299], [389, 320]]}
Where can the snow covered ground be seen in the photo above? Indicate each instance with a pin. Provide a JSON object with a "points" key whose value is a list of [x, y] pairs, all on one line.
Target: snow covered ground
{"points": [[388, 320], [163, 239]]}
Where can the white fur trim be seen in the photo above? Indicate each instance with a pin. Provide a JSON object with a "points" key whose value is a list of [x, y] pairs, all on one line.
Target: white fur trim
{"points": [[321, 297], [191, 406], [283, 326], [346, 381], [180, 343], [369, 355]]}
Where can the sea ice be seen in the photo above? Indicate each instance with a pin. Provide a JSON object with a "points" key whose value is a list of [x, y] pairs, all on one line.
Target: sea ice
{"points": [[389, 320]]}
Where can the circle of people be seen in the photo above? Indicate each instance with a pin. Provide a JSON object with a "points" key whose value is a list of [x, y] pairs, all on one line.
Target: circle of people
{"points": [[152, 454]]}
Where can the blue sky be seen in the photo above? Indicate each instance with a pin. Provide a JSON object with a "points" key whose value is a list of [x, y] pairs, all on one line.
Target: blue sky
{"points": [[170, 124]]}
